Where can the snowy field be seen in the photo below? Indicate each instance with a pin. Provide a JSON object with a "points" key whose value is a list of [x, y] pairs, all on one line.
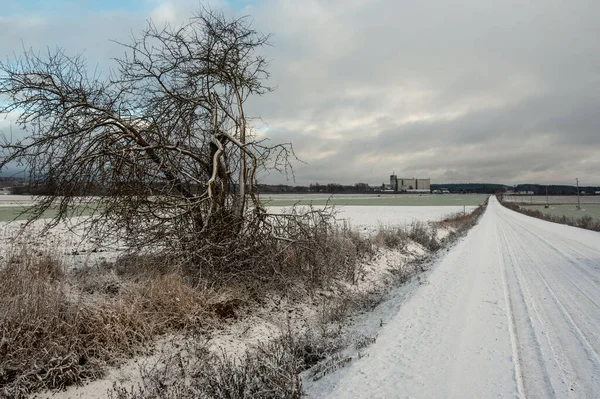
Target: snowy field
{"points": [[67, 242], [13, 207], [561, 205], [374, 199], [361, 217], [70, 244], [15, 200], [369, 218], [406, 206]]}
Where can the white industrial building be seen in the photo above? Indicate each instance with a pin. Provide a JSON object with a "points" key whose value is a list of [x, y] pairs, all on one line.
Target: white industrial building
{"points": [[400, 185]]}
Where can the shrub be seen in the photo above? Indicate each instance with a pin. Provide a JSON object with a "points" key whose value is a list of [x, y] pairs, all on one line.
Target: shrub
{"points": [[391, 237], [299, 250], [270, 370]]}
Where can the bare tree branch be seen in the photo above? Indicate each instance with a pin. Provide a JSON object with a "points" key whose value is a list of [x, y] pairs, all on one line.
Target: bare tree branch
{"points": [[163, 143]]}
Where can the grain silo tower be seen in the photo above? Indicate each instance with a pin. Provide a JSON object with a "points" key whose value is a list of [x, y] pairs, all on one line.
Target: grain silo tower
{"points": [[394, 182]]}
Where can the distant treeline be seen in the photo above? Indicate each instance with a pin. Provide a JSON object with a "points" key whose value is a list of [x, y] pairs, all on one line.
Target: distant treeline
{"points": [[471, 188], [358, 188], [331, 188], [539, 189], [454, 188], [11, 181], [20, 186]]}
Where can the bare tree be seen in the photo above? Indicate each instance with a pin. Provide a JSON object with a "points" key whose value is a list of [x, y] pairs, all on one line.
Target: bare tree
{"points": [[164, 139]]}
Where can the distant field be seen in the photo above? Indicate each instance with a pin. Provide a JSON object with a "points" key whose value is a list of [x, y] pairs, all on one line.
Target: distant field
{"points": [[570, 211], [11, 208], [374, 200], [13, 200], [553, 199], [9, 213], [369, 218]]}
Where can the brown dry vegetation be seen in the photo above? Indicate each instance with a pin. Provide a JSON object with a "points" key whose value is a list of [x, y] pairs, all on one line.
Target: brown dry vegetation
{"points": [[425, 234], [462, 222], [585, 222], [61, 328], [55, 332]]}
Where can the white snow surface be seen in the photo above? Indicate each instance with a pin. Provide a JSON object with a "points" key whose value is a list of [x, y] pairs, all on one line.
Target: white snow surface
{"points": [[370, 217], [67, 241], [15, 200], [513, 310]]}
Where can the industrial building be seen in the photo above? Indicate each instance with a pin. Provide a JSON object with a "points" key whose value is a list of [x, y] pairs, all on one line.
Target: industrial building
{"points": [[400, 185]]}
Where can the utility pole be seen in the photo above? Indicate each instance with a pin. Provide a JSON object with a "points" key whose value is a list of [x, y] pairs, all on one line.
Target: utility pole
{"points": [[578, 201], [547, 204]]}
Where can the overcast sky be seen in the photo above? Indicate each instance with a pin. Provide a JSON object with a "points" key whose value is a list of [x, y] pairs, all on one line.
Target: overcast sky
{"points": [[460, 91]]}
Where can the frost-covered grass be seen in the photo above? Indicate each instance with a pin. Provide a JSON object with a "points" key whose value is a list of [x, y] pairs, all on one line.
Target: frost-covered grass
{"points": [[62, 325], [60, 329], [369, 218]]}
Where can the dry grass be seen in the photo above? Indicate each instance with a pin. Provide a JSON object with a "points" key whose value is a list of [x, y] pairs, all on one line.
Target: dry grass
{"points": [[391, 237], [303, 257], [55, 334], [334, 255], [461, 222], [425, 234]]}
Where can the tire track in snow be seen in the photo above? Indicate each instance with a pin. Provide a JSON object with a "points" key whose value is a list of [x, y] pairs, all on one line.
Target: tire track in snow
{"points": [[535, 341], [565, 243], [510, 315], [569, 362], [544, 265], [575, 328], [572, 300], [593, 355]]}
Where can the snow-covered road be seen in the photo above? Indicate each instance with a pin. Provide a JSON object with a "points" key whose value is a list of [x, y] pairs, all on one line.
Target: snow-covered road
{"points": [[513, 310]]}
